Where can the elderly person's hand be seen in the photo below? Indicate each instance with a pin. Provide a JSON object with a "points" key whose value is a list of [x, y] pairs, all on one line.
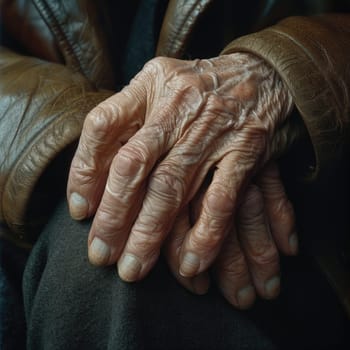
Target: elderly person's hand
{"points": [[145, 152], [248, 263]]}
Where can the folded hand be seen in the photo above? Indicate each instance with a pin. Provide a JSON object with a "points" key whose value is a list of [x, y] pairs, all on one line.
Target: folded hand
{"points": [[248, 262], [145, 152]]}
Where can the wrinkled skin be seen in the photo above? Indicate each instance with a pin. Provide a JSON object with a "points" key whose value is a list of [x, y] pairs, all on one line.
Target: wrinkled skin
{"points": [[143, 158], [248, 262]]}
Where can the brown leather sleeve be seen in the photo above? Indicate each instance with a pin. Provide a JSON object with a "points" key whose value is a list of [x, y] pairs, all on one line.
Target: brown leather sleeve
{"points": [[68, 32], [312, 56], [42, 109]]}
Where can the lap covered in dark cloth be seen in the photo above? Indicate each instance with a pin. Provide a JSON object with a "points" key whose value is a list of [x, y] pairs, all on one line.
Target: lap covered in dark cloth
{"points": [[12, 324], [71, 304]]}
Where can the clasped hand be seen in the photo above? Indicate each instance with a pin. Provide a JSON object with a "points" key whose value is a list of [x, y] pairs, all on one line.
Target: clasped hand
{"points": [[180, 159]]}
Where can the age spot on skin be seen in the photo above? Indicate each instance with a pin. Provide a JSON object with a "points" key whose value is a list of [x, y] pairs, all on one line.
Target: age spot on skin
{"points": [[219, 202], [246, 90]]}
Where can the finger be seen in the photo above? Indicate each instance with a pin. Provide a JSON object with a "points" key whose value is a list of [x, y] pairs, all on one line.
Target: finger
{"points": [[203, 242], [171, 185], [232, 274], [124, 194], [258, 245], [198, 284], [279, 210], [105, 129], [167, 187]]}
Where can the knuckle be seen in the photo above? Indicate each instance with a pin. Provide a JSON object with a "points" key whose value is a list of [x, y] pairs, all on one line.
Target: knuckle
{"points": [[167, 186], [266, 257], [273, 189], [150, 226], [134, 151], [84, 170], [219, 203], [105, 229], [130, 159], [282, 215], [156, 63], [252, 205], [108, 223], [283, 207], [145, 241], [204, 239], [234, 267], [98, 121], [135, 92], [153, 67]]}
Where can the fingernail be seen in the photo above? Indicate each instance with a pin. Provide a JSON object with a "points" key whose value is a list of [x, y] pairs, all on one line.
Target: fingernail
{"points": [[129, 268], [189, 265], [78, 206], [200, 284], [246, 296], [272, 287], [293, 243], [99, 252]]}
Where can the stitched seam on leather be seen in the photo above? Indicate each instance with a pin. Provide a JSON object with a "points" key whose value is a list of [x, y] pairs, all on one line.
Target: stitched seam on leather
{"points": [[54, 25], [75, 47]]}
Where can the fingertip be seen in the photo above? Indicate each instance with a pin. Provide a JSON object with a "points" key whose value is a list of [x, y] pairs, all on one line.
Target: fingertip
{"points": [[245, 297], [288, 246], [78, 206], [189, 265], [129, 268], [242, 299], [272, 288], [99, 252]]}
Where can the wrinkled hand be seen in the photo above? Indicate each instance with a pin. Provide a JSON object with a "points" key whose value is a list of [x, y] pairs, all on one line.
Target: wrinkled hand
{"points": [[248, 263], [145, 152]]}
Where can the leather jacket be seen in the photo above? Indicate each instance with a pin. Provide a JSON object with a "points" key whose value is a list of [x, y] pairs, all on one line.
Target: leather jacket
{"points": [[57, 62]]}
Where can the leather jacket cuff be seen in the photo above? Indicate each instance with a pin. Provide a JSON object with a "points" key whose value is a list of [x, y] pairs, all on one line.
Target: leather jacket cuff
{"points": [[296, 48], [43, 107]]}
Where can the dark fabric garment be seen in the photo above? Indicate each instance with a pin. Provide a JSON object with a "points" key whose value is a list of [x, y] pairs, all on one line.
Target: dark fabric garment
{"points": [[135, 28], [72, 305], [143, 37], [12, 324]]}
